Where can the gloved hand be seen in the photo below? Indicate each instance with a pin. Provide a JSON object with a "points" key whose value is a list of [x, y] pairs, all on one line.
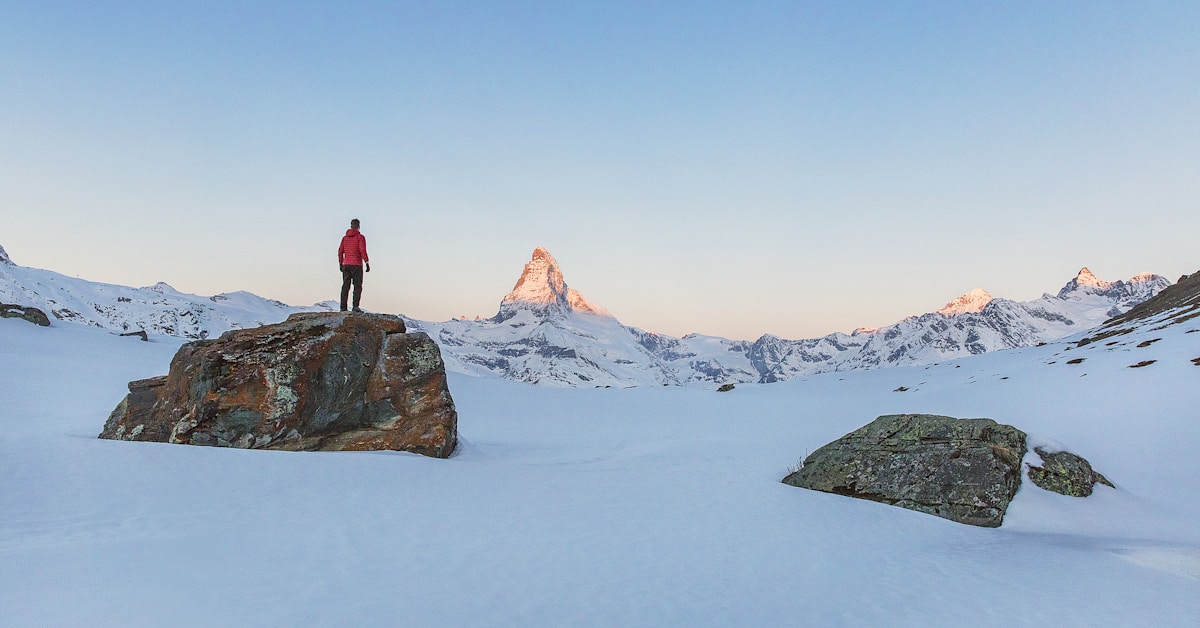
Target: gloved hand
{"points": [[368, 267]]}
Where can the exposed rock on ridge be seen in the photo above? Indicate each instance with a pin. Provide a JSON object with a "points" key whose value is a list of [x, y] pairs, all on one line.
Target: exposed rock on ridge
{"points": [[327, 382]]}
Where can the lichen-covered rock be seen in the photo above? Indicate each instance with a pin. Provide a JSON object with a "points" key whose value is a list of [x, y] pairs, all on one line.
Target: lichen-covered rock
{"points": [[318, 381], [1065, 473], [31, 314], [965, 470]]}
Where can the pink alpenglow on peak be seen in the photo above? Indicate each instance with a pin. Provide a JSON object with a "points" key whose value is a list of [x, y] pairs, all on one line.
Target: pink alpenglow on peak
{"points": [[1085, 285], [1086, 278], [973, 301], [541, 285], [541, 281]]}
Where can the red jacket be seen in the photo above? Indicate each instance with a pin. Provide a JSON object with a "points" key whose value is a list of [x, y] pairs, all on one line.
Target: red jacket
{"points": [[353, 250]]}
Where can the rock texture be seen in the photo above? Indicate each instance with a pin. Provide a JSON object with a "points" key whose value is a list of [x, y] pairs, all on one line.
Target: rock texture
{"points": [[1065, 473], [31, 314], [965, 470], [318, 381]]}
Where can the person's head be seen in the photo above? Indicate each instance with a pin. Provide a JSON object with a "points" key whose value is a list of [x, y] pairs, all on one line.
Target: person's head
{"points": [[354, 224]]}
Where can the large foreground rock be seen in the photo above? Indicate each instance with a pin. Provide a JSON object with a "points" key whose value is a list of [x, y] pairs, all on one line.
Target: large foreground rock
{"points": [[965, 470], [318, 381]]}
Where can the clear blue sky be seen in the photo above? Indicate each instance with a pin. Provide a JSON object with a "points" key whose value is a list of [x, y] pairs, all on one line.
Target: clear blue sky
{"points": [[726, 168]]}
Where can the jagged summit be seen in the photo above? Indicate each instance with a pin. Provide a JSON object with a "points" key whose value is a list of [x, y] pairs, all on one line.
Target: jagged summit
{"points": [[541, 288], [1086, 278], [1137, 289], [973, 301], [4, 258], [541, 282]]}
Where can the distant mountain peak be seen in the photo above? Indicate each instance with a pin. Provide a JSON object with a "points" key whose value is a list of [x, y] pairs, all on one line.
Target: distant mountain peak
{"points": [[1125, 294], [1086, 278], [4, 258], [973, 301], [541, 287], [541, 282], [1085, 282]]}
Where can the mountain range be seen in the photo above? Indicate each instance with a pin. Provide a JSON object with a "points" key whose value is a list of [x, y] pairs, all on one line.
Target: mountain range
{"points": [[549, 334]]}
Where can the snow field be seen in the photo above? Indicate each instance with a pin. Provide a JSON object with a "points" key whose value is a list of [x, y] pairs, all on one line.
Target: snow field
{"points": [[650, 506]]}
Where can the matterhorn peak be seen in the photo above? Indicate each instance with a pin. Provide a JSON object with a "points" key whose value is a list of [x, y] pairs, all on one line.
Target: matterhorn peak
{"points": [[541, 282], [973, 301], [541, 288]]}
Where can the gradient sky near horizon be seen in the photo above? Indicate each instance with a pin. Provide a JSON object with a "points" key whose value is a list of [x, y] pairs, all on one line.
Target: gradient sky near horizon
{"points": [[734, 169]]}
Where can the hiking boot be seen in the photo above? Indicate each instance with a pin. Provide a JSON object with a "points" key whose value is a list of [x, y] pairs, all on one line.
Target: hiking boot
{"points": [[356, 309]]}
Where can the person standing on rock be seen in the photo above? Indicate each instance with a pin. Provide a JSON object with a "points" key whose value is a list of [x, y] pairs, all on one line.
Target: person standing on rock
{"points": [[352, 257]]}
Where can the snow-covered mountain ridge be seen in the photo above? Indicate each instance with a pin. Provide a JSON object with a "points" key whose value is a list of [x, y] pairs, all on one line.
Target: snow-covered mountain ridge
{"points": [[157, 309], [547, 333], [538, 336]]}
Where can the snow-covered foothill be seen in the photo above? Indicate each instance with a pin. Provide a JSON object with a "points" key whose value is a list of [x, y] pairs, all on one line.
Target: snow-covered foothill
{"points": [[157, 309]]}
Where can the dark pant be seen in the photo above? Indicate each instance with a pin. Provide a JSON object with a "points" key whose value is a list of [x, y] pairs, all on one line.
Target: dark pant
{"points": [[351, 275]]}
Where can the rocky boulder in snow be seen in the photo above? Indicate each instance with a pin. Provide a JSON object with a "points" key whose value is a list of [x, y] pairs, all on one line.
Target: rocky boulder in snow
{"points": [[31, 314], [965, 470], [318, 381], [1065, 473]]}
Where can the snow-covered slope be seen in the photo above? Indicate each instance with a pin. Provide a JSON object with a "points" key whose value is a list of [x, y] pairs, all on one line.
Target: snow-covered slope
{"points": [[157, 309], [646, 507]]}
